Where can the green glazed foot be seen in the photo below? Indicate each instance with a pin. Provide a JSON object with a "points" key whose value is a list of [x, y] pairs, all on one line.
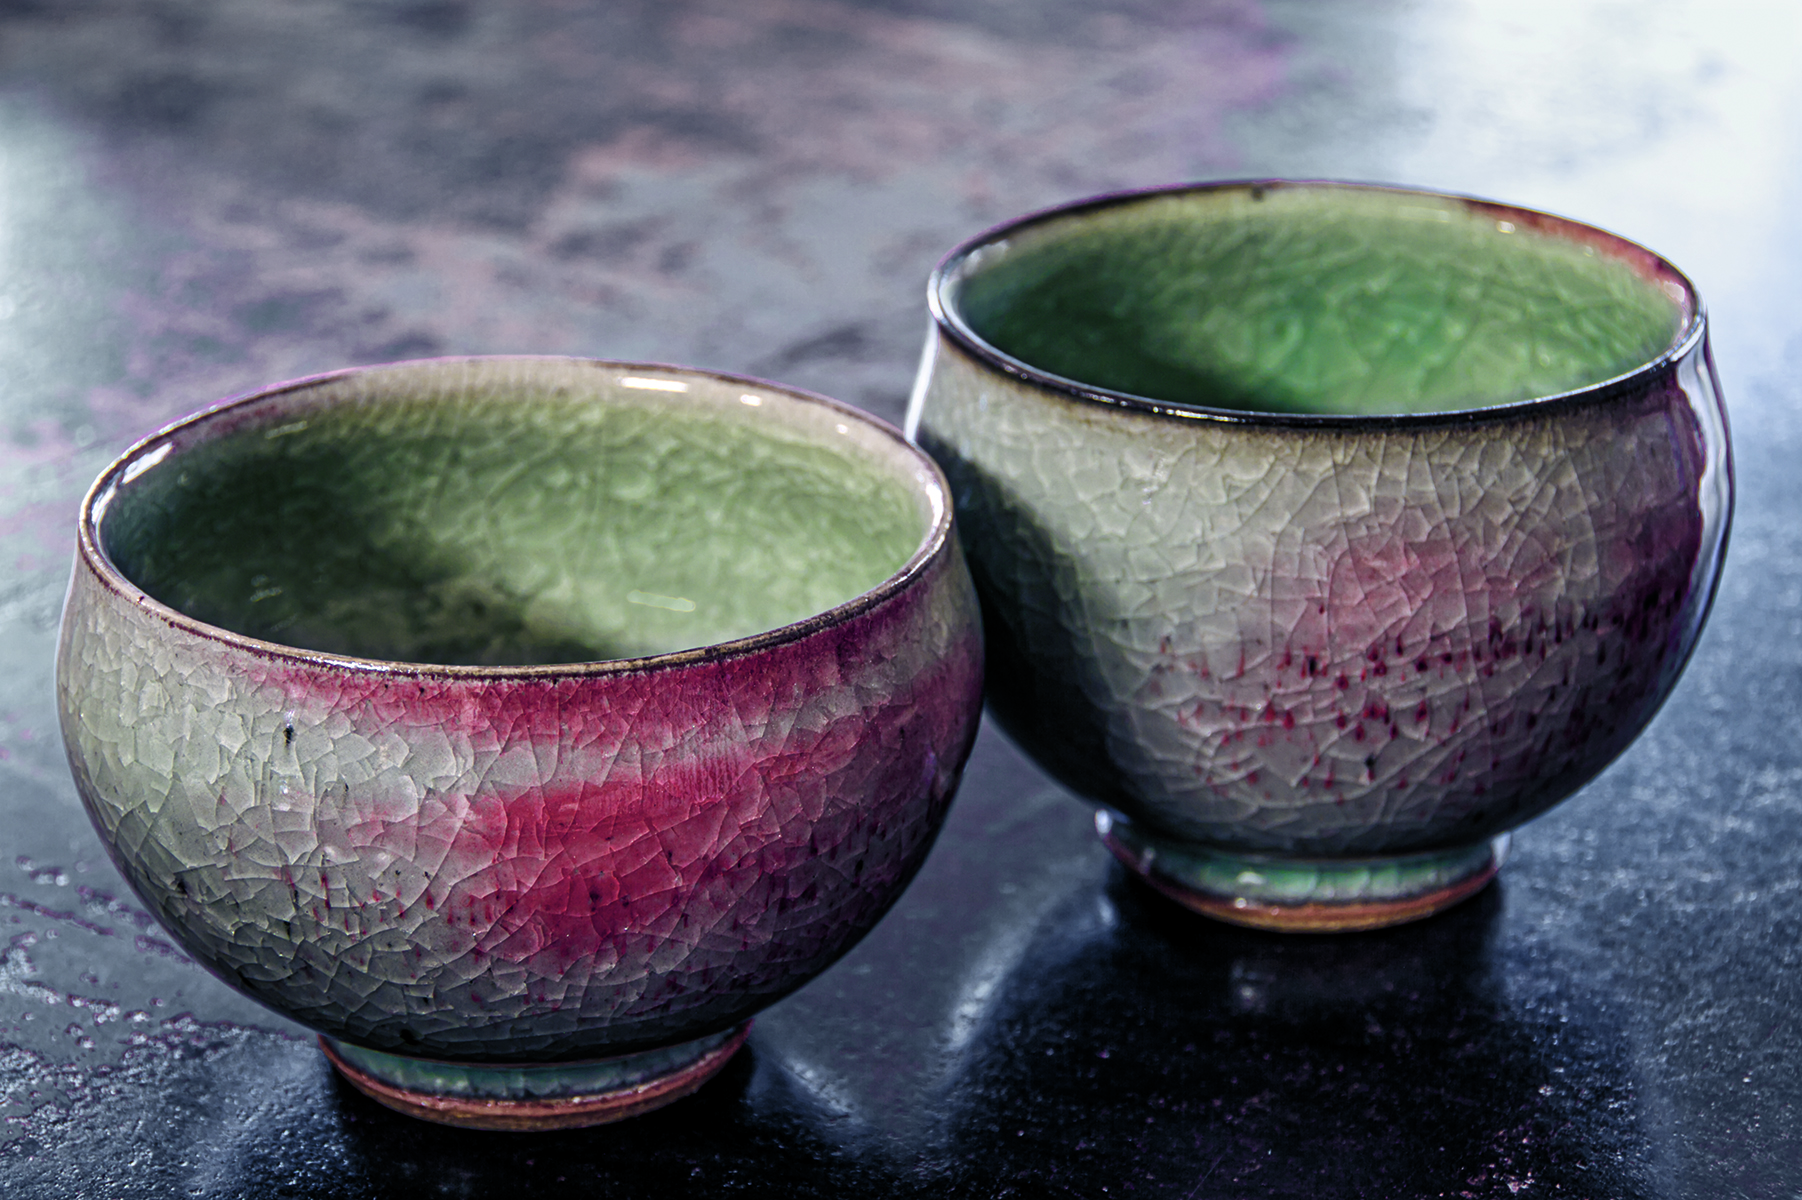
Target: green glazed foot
{"points": [[1303, 895], [532, 1096]]}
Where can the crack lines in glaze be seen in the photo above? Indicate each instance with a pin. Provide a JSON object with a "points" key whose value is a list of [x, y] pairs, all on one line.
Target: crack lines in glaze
{"points": [[1325, 642], [1312, 299], [530, 867]]}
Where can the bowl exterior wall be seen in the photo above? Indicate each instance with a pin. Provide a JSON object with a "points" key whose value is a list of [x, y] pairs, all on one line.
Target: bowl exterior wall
{"points": [[1318, 638], [526, 868]]}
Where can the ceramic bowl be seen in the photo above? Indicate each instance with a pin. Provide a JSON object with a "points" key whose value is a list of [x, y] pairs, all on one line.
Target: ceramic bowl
{"points": [[521, 725], [1325, 533]]}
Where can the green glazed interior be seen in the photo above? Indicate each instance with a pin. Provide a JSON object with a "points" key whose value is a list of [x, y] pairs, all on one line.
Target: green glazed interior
{"points": [[507, 526], [1326, 300]]}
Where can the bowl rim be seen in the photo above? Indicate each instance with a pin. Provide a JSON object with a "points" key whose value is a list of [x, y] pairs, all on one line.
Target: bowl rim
{"points": [[948, 321], [934, 543]]}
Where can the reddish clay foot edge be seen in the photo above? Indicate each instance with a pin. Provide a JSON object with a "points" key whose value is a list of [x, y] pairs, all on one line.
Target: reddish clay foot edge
{"points": [[521, 1116], [1316, 917]]}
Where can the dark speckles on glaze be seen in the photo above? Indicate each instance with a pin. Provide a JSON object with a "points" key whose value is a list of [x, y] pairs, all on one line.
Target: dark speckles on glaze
{"points": [[1331, 635], [1458, 647]]}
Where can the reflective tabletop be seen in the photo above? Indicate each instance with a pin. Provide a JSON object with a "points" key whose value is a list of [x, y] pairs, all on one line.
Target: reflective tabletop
{"points": [[198, 198]]}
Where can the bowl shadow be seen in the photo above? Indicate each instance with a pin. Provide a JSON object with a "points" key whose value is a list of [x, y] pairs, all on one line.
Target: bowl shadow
{"points": [[1139, 1044]]}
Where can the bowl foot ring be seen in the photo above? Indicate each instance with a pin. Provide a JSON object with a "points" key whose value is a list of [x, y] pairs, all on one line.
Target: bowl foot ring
{"points": [[1303, 895], [534, 1096]]}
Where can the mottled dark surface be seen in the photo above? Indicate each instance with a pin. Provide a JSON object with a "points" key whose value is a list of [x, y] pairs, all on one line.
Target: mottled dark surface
{"points": [[198, 198]]}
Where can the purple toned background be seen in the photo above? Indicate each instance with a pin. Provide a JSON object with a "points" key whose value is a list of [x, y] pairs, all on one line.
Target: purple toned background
{"points": [[198, 198]]}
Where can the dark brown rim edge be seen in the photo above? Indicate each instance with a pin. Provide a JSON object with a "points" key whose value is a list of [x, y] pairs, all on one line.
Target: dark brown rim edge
{"points": [[950, 323], [90, 553]]}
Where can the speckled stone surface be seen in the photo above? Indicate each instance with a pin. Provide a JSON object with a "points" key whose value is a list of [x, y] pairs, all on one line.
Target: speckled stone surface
{"points": [[521, 863], [203, 197]]}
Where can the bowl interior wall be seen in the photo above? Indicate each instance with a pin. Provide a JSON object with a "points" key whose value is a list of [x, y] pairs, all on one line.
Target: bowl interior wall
{"points": [[469, 522], [1316, 300]]}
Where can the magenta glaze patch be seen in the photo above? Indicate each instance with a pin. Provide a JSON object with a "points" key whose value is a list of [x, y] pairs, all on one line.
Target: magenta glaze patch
{"points": [[1356, 640], [1387, 681], [525, 867], [697, 824]]}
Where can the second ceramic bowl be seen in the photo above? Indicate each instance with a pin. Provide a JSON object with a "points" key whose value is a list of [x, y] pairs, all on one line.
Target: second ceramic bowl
{"points": [[522, 725], [1325, 533]]}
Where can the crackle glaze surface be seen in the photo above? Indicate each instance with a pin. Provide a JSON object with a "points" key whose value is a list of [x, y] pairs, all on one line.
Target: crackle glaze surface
{"points": [[1332, 637], [522, 863], [493, 512], [1278, 297]]}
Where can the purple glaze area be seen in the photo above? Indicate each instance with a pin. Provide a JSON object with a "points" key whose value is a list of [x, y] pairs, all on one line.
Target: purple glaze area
{"points": [[1322, 641], [618, 859], [1385, 662]]}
